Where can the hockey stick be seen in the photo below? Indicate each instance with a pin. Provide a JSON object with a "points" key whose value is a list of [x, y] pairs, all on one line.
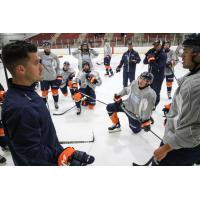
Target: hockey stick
{"points": [[94, 98], [65, 111], [79, 141], [99, 63], [130, 114], [146, 164], [156, 135], [152, 158]]}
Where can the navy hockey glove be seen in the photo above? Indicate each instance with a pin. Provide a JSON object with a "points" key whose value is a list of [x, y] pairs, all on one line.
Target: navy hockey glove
{"points": [[118, 69], [59, 80], [75, 87], [71, 76], [166, 108], [117, 98], [146, 125], [72, 157], [81, 158]]}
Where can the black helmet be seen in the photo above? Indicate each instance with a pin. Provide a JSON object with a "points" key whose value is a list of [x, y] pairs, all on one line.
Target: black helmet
{"points": [[84, 43], [66, 63], [157, 42], [147, 76], [85, 63], [46, 43], [193, 41]]}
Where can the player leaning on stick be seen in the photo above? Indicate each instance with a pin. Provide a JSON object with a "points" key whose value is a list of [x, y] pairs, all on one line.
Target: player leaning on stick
{"points": [[138, 106]]}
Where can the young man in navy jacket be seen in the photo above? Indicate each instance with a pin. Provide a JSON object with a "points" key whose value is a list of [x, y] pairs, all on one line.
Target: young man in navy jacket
{"points": [[26, 120], [129, 60], [156, 59]]}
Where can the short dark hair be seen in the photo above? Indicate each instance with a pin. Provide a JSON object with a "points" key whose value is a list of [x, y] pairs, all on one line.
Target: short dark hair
{"points": [[16, 53]]}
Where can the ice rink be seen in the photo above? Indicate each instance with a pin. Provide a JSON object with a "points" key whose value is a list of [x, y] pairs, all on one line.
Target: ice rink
{"points": [[110, 149]]}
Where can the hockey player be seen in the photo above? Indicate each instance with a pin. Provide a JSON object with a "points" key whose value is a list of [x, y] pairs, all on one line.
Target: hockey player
{"points": [[129, 60], [67, 75], [181, 141], [52, 78], [138, 106], [169, 69], [156, 59], [3, 138], [107, 58], [26, 119], [85, 54], [89, 79]]}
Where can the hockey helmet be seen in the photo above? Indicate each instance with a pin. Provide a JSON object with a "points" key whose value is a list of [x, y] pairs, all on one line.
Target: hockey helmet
{"points": [[147, 76], [156, 43], [46, 44], [66, 63]]}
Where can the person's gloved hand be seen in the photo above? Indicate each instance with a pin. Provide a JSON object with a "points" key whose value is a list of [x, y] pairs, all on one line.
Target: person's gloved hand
{"points": [[146, 125], [118, 69], [151, 58], [71, 76], [117, 98], [75, 87], [91, 78], [166, 108], [59, 80], [2, 95], [72, 157]]}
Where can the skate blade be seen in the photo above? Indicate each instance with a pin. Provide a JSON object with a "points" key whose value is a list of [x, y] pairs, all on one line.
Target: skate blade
{"points": [[116, 130]]}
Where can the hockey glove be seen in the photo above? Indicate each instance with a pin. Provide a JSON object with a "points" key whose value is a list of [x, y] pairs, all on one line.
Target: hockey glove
{"points": [[71, 76], [118, 69], [66, 156], [91, 78], [72, 157], [77, 96], [117, 98], [81, 158], [75, 87], [2, 95], [166, 108], [151, 59], [146, 125], [59, 80]]}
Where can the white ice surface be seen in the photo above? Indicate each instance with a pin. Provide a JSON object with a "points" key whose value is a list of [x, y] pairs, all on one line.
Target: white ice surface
{"points": [[116, 149]]}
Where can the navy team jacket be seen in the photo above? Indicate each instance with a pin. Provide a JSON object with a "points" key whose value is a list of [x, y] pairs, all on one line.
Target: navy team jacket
{"points": [[158, 66], [29, 127], [129, 60]]}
